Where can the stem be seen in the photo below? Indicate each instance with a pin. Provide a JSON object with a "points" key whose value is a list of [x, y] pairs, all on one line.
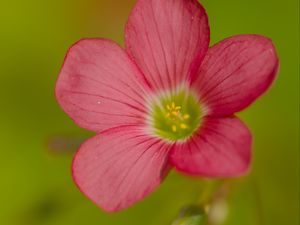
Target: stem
{"points": [[213, 200]]}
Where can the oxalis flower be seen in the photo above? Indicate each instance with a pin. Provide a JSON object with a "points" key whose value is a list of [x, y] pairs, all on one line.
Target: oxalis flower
{"points": [[166, 100]]}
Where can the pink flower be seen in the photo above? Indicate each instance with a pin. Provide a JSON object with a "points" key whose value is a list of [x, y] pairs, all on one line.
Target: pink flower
{"points": [[167, 100]]}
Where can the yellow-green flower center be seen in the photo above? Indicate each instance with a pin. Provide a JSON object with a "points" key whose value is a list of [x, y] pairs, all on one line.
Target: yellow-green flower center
{"points": [[175, 117]]}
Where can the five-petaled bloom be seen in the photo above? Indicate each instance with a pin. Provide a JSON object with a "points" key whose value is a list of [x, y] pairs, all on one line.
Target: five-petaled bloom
{"points": [[165, 101]]}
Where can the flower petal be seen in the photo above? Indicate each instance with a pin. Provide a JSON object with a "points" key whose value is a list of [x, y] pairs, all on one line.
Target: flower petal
{"points": [[235, 72], [120, 167], [100, 87], [221, 148], [167, 39]]}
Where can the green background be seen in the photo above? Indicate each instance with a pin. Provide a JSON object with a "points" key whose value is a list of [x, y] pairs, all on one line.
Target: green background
{"points": [[36, 186]]}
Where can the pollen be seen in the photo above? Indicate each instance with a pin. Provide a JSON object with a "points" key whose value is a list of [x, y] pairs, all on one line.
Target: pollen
{"points": [[175, 117], [174, 113], [186, 116], [174, 128], [183, 126]]}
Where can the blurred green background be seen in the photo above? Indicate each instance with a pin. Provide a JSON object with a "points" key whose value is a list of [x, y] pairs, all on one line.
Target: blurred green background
{"points": [[36, 186]]}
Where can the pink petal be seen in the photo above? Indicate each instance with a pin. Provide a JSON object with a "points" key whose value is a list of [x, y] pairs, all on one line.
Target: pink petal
{"points": [[100, 87], [235, 72], [120, 167], [167, 39], [221, 148]]}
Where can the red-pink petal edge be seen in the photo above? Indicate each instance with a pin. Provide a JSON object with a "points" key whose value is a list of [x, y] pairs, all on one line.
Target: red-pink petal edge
{"points": [[120, 167], [220, 148]]}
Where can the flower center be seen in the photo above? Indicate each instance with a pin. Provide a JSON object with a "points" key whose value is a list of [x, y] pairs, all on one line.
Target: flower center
{"points": [[175, 117]]}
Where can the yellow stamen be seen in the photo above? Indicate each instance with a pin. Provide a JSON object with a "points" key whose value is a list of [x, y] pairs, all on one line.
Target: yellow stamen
{"points": [[174, 128], [177, 107], [168, 115], [168, 107], [173, 105], [186, 116], [174, 113], [183, 126]]}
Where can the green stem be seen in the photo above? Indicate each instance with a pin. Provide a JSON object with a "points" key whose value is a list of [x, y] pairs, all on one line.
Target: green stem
{"points": [[213, 192]]}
